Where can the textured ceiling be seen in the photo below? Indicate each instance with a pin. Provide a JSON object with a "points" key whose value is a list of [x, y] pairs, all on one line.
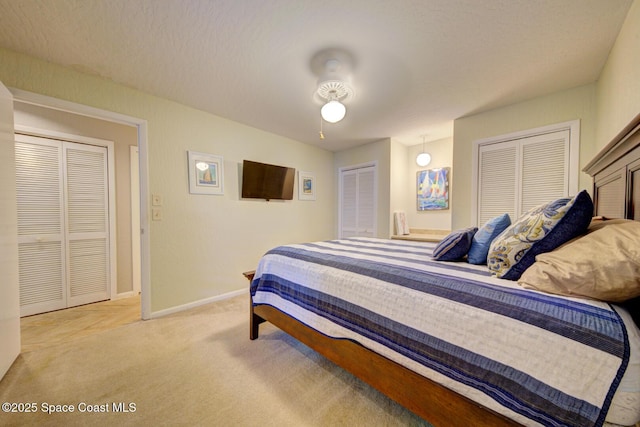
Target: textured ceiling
{"points": [[418, 64]]}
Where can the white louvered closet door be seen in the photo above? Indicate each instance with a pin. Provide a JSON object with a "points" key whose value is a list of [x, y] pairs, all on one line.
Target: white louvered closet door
{"points": [[349, 205], [357, 202], [63, 255], [41, 260], [87, 223], [366, 202], [498, 184], [515, 176], [545, 169]]}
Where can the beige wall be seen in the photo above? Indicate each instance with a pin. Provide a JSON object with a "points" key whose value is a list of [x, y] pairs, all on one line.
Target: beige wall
{"points": [[397, 180], [122, 137], [604, 108], [618, 88], [441, 152], [204, 243], [577, 103], [379, 152], [400, 184]]}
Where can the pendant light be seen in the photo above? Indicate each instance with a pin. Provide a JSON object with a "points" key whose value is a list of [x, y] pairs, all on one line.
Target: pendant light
{"points": [[424, 158]]}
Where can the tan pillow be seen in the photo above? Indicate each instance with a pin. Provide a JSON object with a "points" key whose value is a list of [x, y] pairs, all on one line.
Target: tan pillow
{"points": [[604, 264]]}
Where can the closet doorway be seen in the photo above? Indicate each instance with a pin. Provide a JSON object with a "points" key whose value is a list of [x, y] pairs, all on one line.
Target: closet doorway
{"points": [[508, 173], [51, 117], [358, 201], [64, 193]]}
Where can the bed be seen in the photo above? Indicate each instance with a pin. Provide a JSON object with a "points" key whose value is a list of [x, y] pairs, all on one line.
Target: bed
{"points": [[466, 344]]}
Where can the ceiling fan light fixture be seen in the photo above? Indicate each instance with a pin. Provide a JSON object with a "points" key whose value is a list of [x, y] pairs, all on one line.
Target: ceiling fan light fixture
{"points": [[334, 88], [333, 111]]}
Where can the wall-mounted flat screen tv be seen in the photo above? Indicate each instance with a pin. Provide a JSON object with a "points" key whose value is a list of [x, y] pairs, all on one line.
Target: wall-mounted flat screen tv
{"points": [[265, 181]]}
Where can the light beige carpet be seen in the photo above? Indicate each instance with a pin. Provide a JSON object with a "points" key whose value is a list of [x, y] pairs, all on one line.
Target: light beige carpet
{"points": [[193, 368], [56, 327]]}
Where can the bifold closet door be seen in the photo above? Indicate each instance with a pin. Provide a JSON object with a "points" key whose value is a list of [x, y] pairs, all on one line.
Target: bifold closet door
{"points": [[357, 202], [87, 236], [517, 175], [41, 248], [63, 235]]}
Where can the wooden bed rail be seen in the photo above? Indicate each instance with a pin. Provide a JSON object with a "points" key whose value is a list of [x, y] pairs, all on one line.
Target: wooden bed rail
{"points": [[254, 319]]}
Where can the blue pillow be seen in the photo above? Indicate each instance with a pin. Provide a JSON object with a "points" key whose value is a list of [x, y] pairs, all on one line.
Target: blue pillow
{"points": [[484, 236], [455, 246], [540, 230]]}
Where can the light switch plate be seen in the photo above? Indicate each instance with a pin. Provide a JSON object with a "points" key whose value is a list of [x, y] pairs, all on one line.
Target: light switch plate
{"points": [[156, 200], [156, 214]]}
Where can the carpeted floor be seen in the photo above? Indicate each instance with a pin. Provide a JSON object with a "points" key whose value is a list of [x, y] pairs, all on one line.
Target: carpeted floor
{"points": [[56, 327], [192, 368]]}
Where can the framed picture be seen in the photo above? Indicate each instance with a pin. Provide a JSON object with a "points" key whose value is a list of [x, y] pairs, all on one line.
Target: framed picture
{"points": [[306, 186], [206, 173], [433, 189]]}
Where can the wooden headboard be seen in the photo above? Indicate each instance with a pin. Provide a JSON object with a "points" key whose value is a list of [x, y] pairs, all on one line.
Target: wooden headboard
{"points": [[616, 175], [616, 184]]}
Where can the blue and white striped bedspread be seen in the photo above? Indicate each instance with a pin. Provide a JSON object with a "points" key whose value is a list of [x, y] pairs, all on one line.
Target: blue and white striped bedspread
{"points": [[536, 358]]}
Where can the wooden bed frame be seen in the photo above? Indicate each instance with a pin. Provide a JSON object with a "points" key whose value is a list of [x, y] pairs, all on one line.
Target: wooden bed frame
{"points": [[616, 173]]}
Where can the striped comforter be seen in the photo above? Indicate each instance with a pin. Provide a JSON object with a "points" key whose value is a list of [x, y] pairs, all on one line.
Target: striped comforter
{"points": [[536, 358]]}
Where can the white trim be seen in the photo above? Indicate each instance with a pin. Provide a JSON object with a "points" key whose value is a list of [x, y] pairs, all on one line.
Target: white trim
{"points": [[134, 174], [359, 166], [141, 125], [111, 168], [145, 233], [10, 288], [475, 178], [573, 126], [198, 303], [127, 294], [72, 107], [52, 134]]}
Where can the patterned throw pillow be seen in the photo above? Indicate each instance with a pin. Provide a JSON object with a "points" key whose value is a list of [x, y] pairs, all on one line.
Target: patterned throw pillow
{"points": [[455, 246], [482, 240], [540, 230]]}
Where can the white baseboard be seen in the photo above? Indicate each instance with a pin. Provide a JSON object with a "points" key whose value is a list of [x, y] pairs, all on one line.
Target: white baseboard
{"points": [[176, 309], [125, 295]]}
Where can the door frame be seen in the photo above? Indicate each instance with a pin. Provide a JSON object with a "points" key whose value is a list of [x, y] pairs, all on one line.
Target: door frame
{"points": [[9, 288], [134, 173], [141, 126]]}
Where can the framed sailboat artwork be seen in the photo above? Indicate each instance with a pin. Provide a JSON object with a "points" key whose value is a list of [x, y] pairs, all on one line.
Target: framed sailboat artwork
{"points": [[206, 173], [433, 189]]}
